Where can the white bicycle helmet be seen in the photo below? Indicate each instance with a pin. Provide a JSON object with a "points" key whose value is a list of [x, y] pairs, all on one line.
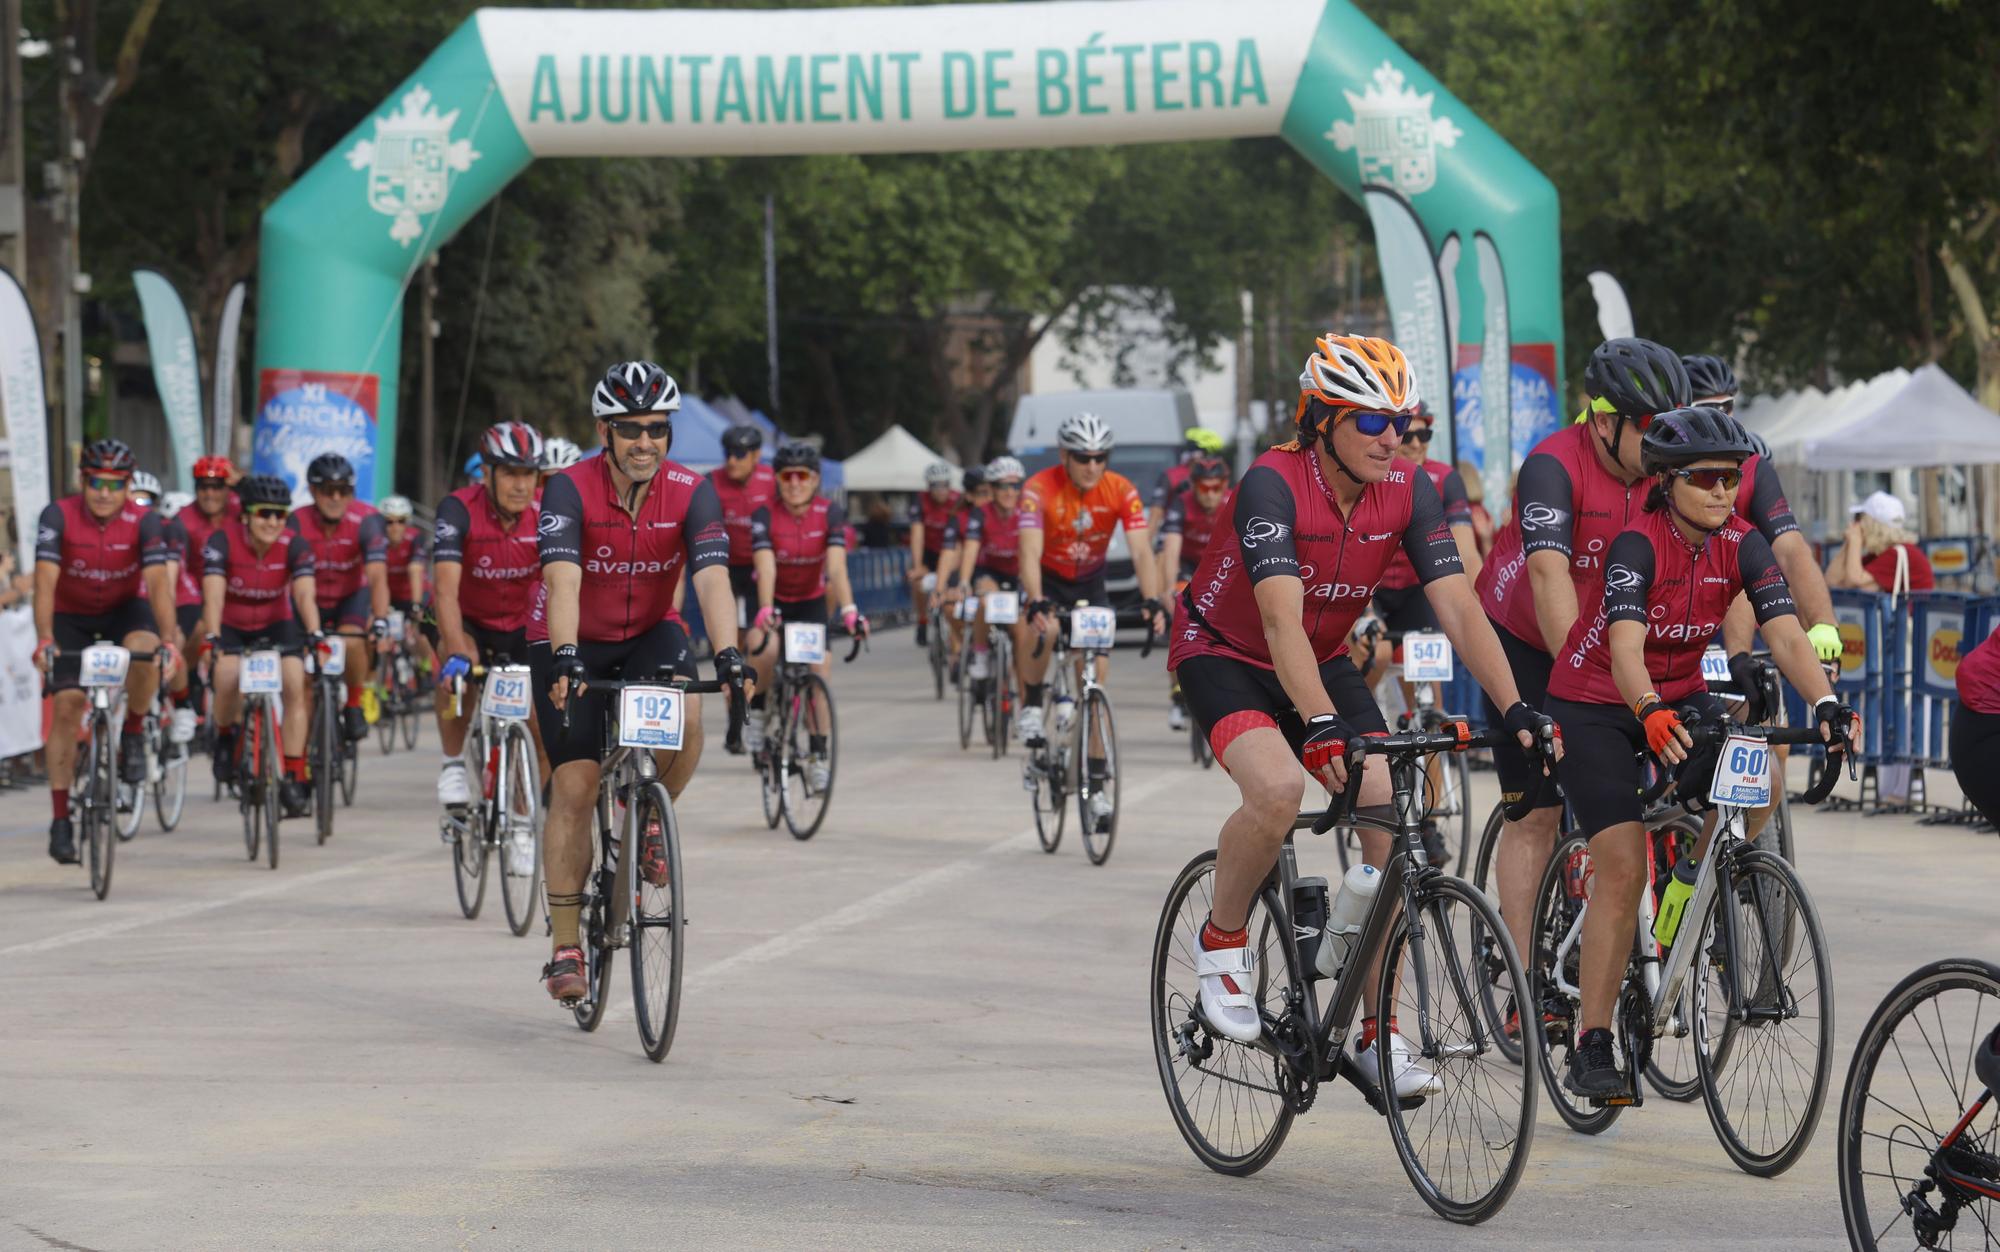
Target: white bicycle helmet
{"points": [[173, 502], [1001, 468], [1084, 432], [144, 482], [559, 454], [395, 508], [939, 475]]}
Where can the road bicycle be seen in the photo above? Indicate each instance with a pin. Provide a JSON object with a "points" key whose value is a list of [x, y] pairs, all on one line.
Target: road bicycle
{"points": [[399, 695], [1919, 1147], [503, 820], [1079, 733], [260, 748], [101, 670], [938, 650], [1438, 941], [620, 908], [330, 755], [1448, 799], [1744, 993], [801, 733], [990, 701], [166, 779]]}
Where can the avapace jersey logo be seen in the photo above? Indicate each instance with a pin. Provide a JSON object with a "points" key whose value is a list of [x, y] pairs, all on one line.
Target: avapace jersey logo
{"points": [[1621, 578], [1263, 530], [1541, 517]]}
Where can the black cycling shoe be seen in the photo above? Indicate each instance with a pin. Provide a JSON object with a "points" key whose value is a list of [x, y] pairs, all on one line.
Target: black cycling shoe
{"points": [[1435, 850], [353, 723], [923, 634], [222, 758], [62, 842], [294, 796], [1593, 1067], [132, 757]]}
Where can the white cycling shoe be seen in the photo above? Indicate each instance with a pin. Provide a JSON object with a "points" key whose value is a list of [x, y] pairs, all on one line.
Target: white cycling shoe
{"points": [[1412, 1079], [453, 789], [1176, 718], [182, 728], [819, 774], [980, 668], [1029, 723], [521, 853], [753, 732], [1100, 804], [1225, 1005]]}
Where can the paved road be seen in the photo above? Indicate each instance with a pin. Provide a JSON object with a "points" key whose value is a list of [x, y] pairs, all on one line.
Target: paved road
{"points": [[916, 1030]]}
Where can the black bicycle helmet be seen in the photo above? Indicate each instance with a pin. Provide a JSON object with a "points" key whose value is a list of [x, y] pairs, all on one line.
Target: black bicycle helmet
{"points": [[738, 440], [1683, 436], [1709, 377], [633, 387], [263, 489], [110, 455], [329, 467], [796, 456], [975, 477], [1637, 377], [1208, 469]]}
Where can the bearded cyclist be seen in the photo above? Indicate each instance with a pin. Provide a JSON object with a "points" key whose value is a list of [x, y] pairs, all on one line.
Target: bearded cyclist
{"points": [[928, 514], [1262, 655], [1193, 516], [744, 484], [487, 561], [100, 574], [616, 534], [350, 544]]}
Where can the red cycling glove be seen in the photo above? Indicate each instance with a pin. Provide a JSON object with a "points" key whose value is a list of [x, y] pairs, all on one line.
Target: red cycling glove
{"points": [[1661, 723]]}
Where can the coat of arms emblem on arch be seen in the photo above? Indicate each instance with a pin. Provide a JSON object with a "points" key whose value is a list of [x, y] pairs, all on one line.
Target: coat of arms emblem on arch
{"points": [[411, 161], [1393, 134]]}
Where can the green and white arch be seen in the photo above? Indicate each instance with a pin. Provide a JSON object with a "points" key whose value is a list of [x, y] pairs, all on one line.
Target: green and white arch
{"points": [[511, 85]]}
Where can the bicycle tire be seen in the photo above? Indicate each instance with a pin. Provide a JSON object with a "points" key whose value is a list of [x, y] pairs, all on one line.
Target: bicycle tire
{"points": [[770, 761], [326, 723], [1767, 1158], [1923, 1104], [805, 813], [349, 754], [1458, 772], [385, 723], [268, 762], [1182, 1041], [469, 850], [937, 656], [1670, 1064], [1454, 1045], [1555, 913], [1096, 717], [596, 943], [1000, 695], [130, 810], [100, 847], [411, 710], [170, 792], [965, 703], [1045, 771], [658, 919], [246, 781], [520, 806]]}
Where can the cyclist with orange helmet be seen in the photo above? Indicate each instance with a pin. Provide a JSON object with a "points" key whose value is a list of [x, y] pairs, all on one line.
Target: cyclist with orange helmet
{"points": [[1261, 649]]}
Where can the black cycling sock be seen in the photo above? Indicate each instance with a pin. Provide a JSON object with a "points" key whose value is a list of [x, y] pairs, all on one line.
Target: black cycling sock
{"points": [[1032, 694], [757, 701], [816, 743], [1099, 770]]}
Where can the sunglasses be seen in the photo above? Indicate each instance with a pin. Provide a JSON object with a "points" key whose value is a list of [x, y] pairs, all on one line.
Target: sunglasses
{"points": [[1415, 435], [211, 484], [658, 432], [97, 483], [336, 490], [794, 476], [266, 512], [1727, 404], [1372, 424], [1090, 458], [1007, 485], [1710, 479]]}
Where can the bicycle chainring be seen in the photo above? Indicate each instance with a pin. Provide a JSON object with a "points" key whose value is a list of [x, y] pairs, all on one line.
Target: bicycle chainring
{"points": [[1296, 1069], [1635, 1023]]}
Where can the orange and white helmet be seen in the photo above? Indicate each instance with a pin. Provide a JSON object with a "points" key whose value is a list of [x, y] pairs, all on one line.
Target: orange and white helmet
{"points": [[1358, 372]]}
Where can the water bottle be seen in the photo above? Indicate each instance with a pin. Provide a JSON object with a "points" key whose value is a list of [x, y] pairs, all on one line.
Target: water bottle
{"points": [[1344, 919], [1674, 901], [1309, 909]]}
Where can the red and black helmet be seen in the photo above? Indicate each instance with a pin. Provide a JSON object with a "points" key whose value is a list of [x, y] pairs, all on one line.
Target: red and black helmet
{"points": [[511, 443], [108, 456], [214, 467], [634, 387]]}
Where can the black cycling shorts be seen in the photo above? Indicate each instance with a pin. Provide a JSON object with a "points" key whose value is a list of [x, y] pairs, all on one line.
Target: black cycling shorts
{"points": [[285, 636], [1520, 776], [1000, 581], [743, 585], [495, 646], [188, 618], [663, 650], [76, 631], [351, 609], [1600, 770], [1404, 609], [1218, 688], [1066, 595]]}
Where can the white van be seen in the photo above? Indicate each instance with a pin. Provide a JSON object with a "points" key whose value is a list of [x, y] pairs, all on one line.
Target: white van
{"points": [[1150, 427]]}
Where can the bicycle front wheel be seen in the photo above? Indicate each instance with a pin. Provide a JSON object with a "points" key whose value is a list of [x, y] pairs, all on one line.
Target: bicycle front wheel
{"points": [[170, 791], [966, 709], [520, 811], [1097, 789], [809, 774], [1045, 774], [268, 758], [324, 757], [1466, 1145], [102, 775], [468, 850], [246, 777], [596, 927], [1908, 1088], [349, 754], [385, 724], [658, 917], [1764, 1092]]}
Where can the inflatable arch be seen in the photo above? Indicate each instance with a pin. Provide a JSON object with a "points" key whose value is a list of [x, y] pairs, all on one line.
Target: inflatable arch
{"points": [[511, 85]]}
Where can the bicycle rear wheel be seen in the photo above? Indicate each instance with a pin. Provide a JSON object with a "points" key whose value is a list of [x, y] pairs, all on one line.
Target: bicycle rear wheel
{"points": [[131, 805], [1765, 1093], [246, 776], [349, 754], [268, 764], [468, 851], [1670, 1067], [966, 704], [596, 927], [937, 653], [658, 917], [1227, 1098], [385, 723], [1098, 833], [1489, 847], [520, 819], [1558, 926], [102, 780], [805, 803], [1908, 1088], [1465, 1147], [324, 757], [170, 791], [770, 762]]}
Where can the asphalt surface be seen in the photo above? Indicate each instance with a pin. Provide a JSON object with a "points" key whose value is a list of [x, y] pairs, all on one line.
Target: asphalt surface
{"points": [[916, 1030]]}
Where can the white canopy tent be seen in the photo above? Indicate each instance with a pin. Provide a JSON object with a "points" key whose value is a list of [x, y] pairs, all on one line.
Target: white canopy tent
{"points": [[894, 462], [1835, 412], [1928, 420]]}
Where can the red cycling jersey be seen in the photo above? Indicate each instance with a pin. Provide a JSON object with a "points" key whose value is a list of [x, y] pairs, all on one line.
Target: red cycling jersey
{"points": [[798, 541], [1457, 512], [195, 527], [1077, 526], [1760, 500], [740, 501], [501, 566], [999, 538], [1172, 482], [259, 593], [341, 549], [400, 556], [630, 564], [1979, 677], [934, 516], [99, 563], [1284, 521], [1679, 592], [1194, 524]]}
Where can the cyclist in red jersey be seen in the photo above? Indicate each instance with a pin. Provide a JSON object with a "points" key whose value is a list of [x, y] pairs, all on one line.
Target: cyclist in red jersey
{"points": [[1629, 676], [1192, 517], [486, 556], [1261, 648], [989, 559], [616, 533], [978, 493], [214, 503], [1068, 512], [744, 484], [407, 559], [350, 546], [928, 514], [1200, 442], [100, 575], [257, 592], [801, 551]]}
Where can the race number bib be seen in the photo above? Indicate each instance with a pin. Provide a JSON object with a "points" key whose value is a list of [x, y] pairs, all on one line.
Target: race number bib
{"points": [[103, 665], [805, 643], [333, 661], [1715, 668], [1003, 608], [968, 609], [507, 697], [1426, 658], [261, 674], [397, 624], [1743, 773], [1092, 628], [649, 717]]}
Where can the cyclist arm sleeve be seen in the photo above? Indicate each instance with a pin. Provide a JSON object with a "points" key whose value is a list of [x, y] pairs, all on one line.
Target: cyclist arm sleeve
{"points": [[1769, 511], [1163, 490], [1427, 540], [1628, 576], [1545, 504], [299, 559], [153, 541], [1175, 520], [292, 522], [1763, 579], [707, 539], [49, 535], [975, 526], [453, 521], [915, 517], [374, 538], [760, 528], [215, 553], [836, 526], [1457, 505], [1264, 517], [561, 528]]}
